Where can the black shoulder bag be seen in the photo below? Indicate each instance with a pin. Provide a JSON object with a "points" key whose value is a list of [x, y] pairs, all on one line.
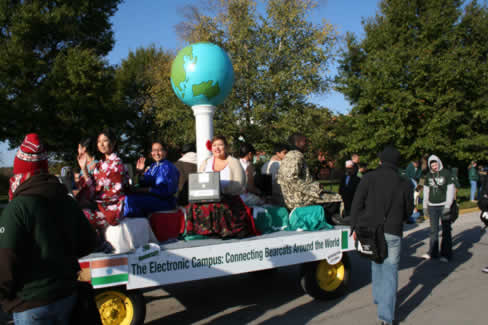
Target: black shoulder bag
{"points": [[371, 242]]}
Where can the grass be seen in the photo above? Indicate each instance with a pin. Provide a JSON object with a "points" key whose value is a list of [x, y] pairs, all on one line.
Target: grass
{"points": [[462, 194]]}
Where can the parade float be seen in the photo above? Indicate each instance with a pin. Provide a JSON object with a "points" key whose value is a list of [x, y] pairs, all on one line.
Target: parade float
{"points": [[202, 77]]}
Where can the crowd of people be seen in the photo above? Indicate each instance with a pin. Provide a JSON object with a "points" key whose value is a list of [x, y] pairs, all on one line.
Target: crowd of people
{"points": [[103, 195]]}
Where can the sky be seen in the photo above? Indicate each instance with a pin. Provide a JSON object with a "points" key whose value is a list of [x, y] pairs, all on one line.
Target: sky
{"points": [[140, 23]]}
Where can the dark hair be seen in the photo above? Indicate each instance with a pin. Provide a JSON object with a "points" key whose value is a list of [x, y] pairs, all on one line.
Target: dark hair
{"points": [[293, 139], [246, 148], [110, 134], [161, 143], [279, 147], [220, 137], [188, 147], [89, 145]]}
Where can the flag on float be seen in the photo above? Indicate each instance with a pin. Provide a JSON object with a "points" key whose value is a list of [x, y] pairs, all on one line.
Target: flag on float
{"points": [[109, 272]]}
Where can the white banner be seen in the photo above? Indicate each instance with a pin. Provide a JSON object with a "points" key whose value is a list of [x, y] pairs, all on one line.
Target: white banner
{"points": [[186, 264]]}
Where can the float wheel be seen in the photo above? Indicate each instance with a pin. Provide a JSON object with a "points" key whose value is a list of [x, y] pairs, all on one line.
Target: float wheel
{"points": [[118, 306], [324, 281]]}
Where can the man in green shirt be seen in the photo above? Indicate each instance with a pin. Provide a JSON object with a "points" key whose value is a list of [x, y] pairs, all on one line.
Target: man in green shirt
{"points": [[438, 197]]}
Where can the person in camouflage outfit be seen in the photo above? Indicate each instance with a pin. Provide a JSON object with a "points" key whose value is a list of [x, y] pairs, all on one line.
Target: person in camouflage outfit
{"points": [[297, 185]]}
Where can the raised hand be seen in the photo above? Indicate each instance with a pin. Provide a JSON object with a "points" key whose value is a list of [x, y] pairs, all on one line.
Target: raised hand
{"points": [[140, 164], [82, 161]]}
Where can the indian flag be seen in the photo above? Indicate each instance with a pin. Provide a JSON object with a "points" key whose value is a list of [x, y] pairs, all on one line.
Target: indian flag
{"points": [[109, 272]]}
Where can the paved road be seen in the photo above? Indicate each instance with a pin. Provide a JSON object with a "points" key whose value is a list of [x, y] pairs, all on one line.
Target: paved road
{"points": [[430, 292]]}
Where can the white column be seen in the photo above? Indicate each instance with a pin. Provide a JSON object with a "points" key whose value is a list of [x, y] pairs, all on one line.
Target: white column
{"points": [[204, 129]]}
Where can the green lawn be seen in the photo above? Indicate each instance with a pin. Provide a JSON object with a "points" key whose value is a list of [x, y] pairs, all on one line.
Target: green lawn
{"points": [[462, 194]]}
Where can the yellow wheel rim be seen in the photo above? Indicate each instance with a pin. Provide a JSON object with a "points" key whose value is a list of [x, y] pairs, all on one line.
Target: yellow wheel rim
{"points": [[329, 277], [115, 308]]}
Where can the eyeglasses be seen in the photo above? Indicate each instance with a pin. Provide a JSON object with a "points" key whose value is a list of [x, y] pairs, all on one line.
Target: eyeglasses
{"points": [[159, 150]]}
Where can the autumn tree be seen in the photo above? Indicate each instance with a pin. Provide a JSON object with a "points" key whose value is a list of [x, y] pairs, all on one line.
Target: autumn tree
{"points": [[279, 59]]}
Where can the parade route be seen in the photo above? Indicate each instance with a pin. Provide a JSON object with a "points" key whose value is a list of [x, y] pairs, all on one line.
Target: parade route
{"points": [[430, 292]]}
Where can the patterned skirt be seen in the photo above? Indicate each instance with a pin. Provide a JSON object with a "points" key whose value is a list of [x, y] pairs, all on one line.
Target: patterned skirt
{"points": [[226, 219]]}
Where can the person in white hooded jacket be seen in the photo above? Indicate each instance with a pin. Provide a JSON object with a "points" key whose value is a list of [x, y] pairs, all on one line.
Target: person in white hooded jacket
{"points": [[438, 197]]}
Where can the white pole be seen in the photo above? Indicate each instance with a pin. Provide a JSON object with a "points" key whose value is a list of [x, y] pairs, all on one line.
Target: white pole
{"points": [[204, 129]]}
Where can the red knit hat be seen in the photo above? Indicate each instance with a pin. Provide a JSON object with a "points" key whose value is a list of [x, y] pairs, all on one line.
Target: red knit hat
{"points": [[31, 156]]}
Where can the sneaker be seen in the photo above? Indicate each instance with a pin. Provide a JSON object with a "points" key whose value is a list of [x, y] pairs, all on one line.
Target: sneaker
{"points": [[426, 256], [443, 259], [485, 270]]}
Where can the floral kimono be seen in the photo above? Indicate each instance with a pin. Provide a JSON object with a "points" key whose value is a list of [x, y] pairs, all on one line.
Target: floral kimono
{"points": [[107, 183]]}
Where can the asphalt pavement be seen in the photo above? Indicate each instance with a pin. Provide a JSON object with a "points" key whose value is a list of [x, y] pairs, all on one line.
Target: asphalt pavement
{"points": [[430, 292]]}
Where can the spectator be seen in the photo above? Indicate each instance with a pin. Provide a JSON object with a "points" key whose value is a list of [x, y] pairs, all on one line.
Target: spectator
{"points": [[297, 184], [157, 185], [482, 170], [272, 167], [416, 216], [347, 187], [355, 159], [186, 165], [474, 177], [383, 196], [45, 233], [362, 169], [413, 172], [438, 198]]}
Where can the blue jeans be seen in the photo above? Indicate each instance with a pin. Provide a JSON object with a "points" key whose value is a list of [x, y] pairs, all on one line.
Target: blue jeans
{"points": [[56, 313], [385, 280], [474, 187], [435, 214]]}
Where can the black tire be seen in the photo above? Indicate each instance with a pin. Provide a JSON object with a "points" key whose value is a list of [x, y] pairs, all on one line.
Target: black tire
{"points": [[120, 306], [319, 284]]}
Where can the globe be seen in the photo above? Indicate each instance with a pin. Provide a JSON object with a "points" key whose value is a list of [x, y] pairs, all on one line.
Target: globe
{"points": [[202, 74]]}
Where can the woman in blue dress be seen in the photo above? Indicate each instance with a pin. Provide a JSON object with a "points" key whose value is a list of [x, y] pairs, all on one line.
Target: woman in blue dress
{"points": [[157, 185]]}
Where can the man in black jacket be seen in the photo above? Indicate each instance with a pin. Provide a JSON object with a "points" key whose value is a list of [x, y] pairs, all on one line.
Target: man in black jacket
{"points": [[384, 197], [43, 232]]}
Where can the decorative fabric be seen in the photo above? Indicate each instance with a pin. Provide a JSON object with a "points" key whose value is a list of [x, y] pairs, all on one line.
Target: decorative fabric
{"points": [[108, 182], [226, 219]]}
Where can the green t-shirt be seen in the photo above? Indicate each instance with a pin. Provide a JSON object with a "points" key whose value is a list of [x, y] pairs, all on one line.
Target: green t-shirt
{"points": [[437, 183]]}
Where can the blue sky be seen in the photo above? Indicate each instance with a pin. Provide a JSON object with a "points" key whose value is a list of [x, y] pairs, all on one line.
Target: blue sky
{"points": [[140, 23]]}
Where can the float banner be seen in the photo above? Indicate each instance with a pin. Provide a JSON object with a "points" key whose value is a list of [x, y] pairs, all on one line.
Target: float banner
{"points": [[110, 271], [238, 256]]}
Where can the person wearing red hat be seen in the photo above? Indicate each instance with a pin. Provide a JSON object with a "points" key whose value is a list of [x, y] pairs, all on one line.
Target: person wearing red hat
{"points": [[43, 232], [30, 159], [109, 178]]}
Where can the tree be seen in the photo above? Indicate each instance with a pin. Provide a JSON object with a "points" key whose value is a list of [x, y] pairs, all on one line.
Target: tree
{"points": [[53, 79], [279, 59], [418, 80]]}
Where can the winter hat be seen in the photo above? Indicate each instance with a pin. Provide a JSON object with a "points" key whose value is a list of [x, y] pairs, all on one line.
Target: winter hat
{"points": [[31, 156], [349, 164], [390, 154]]}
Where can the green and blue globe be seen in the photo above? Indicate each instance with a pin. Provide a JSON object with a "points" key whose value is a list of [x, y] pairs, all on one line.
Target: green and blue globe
{"points": [[202, 74]]}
